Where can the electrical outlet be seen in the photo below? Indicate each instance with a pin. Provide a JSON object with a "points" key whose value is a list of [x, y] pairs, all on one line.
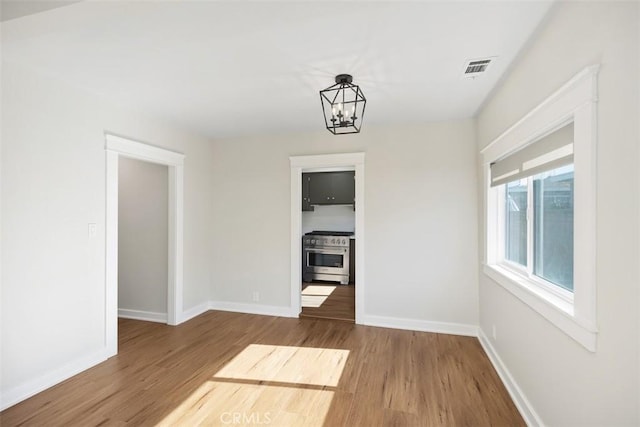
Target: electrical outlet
{"points": [[255, 296], [494, 333]]}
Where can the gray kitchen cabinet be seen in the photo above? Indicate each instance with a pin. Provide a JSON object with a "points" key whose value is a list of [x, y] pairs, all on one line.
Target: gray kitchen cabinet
{"points": [[331, 188], [306, 199], [320, 188], [343, 186]]}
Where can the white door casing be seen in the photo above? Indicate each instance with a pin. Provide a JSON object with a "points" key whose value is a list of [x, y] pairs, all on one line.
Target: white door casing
{"points": [[115, 147], [325, 163]]}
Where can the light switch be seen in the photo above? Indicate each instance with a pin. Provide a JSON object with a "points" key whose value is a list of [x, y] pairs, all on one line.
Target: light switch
{"points": [[93, 230]]}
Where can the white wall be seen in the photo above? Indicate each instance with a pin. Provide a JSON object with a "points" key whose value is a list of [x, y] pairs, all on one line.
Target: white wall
{"points": [[53, 185], [330, 218], [566, 384], [420, 218], [143, 218]]}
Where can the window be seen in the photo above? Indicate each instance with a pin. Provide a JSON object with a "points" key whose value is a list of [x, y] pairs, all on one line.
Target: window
{"points": [[536, 203], [553, 226], [540, 199], [548, 219], [516, 209]]}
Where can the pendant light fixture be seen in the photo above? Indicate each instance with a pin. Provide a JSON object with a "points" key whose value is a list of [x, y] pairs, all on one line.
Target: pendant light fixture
{"points": [[343, 106]]}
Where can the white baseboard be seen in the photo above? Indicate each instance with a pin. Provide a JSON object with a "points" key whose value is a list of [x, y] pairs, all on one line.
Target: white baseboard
{"points": [[522, 403], [195, 311], [238, 307], [420, 325], [24, 391], [149, 316]]}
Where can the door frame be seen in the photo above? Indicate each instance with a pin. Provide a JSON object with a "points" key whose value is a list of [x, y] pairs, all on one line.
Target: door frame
{"points": [[115, 147], [326, 163]]}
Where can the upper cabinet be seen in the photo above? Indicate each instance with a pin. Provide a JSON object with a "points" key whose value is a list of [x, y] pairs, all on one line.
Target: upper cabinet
{"points": [[328, 188], [306, 199]]}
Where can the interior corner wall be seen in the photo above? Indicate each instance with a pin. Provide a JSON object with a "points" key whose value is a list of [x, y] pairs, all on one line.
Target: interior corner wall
{"points": [[53, 179], [420, 219], [565, 384], [143, 236]]}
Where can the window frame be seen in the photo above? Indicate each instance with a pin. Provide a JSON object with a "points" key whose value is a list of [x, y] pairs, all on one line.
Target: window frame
{"points": [[502, 202], [575, 101], [527, 272]]}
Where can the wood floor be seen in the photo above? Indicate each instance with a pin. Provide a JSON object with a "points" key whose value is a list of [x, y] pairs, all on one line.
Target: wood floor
{"points": [[239, 369], [340, 305]]}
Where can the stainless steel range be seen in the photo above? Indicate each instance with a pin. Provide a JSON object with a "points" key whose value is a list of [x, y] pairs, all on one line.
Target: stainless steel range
{"points": [[326, 256]]}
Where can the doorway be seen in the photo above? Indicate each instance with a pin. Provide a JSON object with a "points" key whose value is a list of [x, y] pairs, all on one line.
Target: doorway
{"points": [[117, 147], [327, 163], [143, 201]]}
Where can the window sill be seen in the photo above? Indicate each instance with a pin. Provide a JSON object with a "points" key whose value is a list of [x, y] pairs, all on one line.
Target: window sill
{"points": [[553, 308]]}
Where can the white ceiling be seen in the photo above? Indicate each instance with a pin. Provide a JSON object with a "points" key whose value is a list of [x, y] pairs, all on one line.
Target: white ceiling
{"points": [[234, 68]]}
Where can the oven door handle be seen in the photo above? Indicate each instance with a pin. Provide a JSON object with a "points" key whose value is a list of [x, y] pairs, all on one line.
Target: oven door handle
{"points": [[326, 251]]}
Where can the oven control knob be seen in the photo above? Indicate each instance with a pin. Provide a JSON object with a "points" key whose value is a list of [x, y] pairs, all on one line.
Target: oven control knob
{"points": [[333, 240], [344, 242], [313, 241]]}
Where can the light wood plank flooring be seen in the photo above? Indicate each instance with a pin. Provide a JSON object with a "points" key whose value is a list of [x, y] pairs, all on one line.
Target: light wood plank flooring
{"points": [[340, 305], [239, 369]]}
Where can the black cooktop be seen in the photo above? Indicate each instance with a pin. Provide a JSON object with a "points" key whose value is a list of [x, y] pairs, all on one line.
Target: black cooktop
{"points": [[330, 233]]}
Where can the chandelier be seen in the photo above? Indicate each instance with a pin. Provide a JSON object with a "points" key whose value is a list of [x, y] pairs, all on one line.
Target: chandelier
{"points": [[343, 106]]}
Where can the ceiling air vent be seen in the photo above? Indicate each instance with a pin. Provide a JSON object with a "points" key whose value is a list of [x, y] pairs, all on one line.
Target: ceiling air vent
{"points": [[476, 67]]}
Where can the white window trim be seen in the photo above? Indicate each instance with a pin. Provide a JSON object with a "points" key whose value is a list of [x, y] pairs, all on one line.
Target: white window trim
{"points": [[574, 101]]}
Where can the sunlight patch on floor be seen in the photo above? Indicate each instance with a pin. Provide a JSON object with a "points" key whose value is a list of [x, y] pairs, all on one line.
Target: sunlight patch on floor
{"points": [[314, 296], [297, 365], [318, 290], [266, 385], [314, 301]]}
